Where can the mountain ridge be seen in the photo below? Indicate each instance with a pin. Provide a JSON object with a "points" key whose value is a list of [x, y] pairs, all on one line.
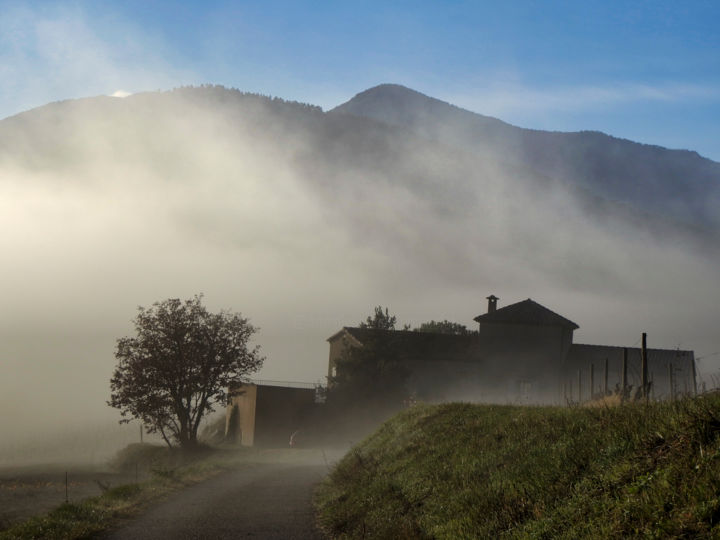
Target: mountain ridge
{"points": [[355, 104], [672, 182], [609, 172]]}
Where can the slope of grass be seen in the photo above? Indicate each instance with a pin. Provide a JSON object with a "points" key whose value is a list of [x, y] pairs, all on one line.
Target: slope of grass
{"points": [[479, 471]]}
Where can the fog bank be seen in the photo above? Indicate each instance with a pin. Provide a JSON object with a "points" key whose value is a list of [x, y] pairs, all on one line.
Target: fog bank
{"points": [[302, 222]]}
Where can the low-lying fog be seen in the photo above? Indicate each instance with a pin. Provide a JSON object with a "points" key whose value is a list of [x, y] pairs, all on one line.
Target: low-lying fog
{"points": [[303, 226]]}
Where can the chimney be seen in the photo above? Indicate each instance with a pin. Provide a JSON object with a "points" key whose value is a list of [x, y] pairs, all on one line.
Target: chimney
{"points": [[492, 303]]}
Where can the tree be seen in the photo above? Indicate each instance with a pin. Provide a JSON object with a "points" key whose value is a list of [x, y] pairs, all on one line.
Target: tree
{"points": [[444, 327], [181, 362], [380, 320], [373, 374]]}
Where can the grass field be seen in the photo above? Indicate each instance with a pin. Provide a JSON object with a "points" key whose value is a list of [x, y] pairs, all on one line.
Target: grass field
{"points": [[30, 490], [481, 471], [161, 472]]}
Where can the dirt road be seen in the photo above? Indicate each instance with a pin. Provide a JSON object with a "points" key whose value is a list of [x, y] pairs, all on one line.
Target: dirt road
{"points": [[263, 501]]}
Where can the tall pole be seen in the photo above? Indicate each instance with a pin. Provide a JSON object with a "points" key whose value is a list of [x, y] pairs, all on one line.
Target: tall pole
{"points": [[592, 380], [694, 374], [624, 371], [672, 385], [644, 366]]}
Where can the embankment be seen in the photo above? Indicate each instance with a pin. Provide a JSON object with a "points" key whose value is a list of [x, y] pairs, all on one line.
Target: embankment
{"points": [[479, 471]]}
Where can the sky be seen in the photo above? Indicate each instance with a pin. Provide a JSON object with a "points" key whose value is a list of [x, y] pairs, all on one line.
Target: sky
{"points": [[648, 71]]}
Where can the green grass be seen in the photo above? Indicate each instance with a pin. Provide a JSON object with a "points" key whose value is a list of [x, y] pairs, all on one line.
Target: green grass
{"points": [[171, 471], [480, 471]]}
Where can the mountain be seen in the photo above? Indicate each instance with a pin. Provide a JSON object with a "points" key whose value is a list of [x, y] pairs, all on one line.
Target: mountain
{"points": [[678, 184], [387, 147]]}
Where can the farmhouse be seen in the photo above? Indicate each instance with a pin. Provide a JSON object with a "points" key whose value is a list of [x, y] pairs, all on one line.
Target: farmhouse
{"points": [[522, 353]]}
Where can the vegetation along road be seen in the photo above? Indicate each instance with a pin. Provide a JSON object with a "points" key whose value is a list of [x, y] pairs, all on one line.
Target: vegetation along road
{"points": [[268, 500]]}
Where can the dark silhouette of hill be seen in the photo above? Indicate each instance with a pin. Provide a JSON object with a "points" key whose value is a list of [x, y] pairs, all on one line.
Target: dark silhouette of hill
{"points": [[679, 184]]}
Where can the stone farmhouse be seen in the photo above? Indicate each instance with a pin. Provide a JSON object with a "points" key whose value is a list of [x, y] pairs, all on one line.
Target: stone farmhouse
{"points": [[522, 353]]}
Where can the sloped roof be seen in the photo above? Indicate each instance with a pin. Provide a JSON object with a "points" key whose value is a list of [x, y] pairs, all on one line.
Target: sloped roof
{"points": [[420, 345], [526, 312]]}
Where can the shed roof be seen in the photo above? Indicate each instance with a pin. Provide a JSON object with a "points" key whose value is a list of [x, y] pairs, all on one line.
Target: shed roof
{"points": [[526, 312]]}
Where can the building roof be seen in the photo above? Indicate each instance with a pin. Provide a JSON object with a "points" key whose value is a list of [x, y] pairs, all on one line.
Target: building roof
{"points": [[526, 312], [420, 345]]}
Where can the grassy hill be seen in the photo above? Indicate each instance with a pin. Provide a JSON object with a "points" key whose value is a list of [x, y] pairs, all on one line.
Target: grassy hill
{"points": [[476, 471]]}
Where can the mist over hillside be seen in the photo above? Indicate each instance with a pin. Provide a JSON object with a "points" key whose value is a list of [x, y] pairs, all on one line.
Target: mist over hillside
{"points": [[679, 184], [303, 220]]}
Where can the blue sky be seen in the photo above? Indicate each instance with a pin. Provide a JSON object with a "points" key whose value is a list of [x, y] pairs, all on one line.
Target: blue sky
{"points": [[643, 70]]}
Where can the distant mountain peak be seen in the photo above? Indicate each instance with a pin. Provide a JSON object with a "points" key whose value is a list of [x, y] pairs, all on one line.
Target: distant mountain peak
{"points": [[391, 90], [397, 104], [393, 94]]}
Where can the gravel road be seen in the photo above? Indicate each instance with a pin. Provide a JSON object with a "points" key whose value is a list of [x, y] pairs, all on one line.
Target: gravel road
{"points": [[264, 501]]}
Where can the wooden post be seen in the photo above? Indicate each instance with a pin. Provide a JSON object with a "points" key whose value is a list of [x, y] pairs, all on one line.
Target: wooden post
{"points": [[605, 383], [66, 487], [141, 434], [670, 379], [592, 381], [624, 371], [694, 374], [644, 366]]}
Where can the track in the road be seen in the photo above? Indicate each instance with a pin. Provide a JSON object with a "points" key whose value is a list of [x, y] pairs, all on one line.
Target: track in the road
{"points": [[262, 501]]}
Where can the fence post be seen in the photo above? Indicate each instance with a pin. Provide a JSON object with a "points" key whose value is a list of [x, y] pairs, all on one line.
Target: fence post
{"points": [[624, 372], [605, 383], [592, 381], [644, 366]]}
